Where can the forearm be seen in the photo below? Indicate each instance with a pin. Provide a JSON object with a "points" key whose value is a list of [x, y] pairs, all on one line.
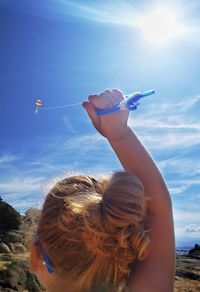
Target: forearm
{"points": [[135, 158]]}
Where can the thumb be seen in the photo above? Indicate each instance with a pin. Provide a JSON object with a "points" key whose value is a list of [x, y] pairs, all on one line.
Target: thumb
{"points": [[89, 107]]}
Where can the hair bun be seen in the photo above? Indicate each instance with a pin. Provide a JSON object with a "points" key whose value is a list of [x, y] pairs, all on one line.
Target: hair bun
{"points": [[124, 202], [115, 226]]}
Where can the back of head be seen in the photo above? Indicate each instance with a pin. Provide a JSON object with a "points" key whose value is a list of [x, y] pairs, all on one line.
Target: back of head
{"points": [[93, 231]]}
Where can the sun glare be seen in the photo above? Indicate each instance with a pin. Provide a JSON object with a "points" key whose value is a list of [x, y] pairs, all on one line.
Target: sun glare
{"points": [[161, 26]]}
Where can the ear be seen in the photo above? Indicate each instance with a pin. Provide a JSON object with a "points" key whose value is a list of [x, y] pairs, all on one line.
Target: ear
{"points": [[35, 259]]}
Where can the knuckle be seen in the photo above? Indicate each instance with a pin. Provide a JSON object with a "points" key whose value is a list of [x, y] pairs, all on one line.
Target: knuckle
{"points": [[117, 91], [92, 96], [105, 93]]}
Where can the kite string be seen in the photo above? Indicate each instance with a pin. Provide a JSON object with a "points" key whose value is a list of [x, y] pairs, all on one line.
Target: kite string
{"points": [[60, 106]]}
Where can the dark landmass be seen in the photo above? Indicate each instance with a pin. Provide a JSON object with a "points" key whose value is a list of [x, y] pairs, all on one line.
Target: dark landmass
{"points": [[15, 232]]}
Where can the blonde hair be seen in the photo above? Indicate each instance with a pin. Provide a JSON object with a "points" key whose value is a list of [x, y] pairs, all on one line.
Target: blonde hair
{"points": [[93, 231]]}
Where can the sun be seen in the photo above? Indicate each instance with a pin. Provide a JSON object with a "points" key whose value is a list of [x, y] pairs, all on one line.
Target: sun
{"points": [[161, 26]]}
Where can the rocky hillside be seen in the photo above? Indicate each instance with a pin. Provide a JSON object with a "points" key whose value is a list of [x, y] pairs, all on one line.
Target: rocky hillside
{"points": [[14, 232]]}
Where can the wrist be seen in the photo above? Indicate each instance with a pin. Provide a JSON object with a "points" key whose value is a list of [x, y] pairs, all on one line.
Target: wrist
{"points": [[118, 136]]}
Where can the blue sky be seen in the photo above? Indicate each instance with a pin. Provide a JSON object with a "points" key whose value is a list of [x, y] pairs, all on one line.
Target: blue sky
{"points": [[62, 51]]}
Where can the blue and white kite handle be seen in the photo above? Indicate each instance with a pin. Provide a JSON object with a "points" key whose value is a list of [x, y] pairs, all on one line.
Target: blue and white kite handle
{"points": [[129, 103]]}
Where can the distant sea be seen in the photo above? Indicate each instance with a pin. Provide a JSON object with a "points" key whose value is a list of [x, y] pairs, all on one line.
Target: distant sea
{"points": [[183, 250]]}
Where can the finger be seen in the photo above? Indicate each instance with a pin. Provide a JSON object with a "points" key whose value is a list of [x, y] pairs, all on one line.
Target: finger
{"points": [[106, 92], [92, 97], [116, 97], [102, 100], [118, 93], [109, 96], [91, 112], [98, 101]]}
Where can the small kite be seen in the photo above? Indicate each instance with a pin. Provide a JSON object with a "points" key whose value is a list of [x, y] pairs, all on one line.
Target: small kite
{"points": [[38, 104]]}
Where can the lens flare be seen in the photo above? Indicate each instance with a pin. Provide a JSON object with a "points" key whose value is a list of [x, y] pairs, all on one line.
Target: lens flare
{"points": [[161, 26]]}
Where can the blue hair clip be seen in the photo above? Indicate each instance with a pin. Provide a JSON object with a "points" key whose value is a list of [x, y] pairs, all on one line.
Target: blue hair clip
{"points": [[45, 257], [130, 103]]}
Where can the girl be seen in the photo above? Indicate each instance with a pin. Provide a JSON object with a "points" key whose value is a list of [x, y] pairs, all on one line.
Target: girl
{"points": [[97, 235]]}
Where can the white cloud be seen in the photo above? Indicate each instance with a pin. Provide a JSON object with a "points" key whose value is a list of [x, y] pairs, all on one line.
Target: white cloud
{"points": [[163, 140], [186, 217], [168, 127], [189, 232], [186, 182], [84, 143], [188, 103], [68, 124], [156, 123], [187, 227], [183, 166], [192, 228], [22, 185], [121, 14], [7, 158], [178, 190], [21, 180]]}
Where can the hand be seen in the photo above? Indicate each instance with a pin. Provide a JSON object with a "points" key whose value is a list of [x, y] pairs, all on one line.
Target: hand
{"points": [[112, 126]]}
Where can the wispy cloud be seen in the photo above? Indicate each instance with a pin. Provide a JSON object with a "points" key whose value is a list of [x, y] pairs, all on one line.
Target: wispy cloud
{"points": [[172, 128], [107, 12], [180, 165], [187, 227], [83, 143], [191, 181], [68, 125], [180, 186], [170, 122], [180, 189], [76, 153], [7, 158], [188, 103], [170, 140], [23, 191], [194, 228], [189, 231], [186, 217], [21, 185], [168, 127]]}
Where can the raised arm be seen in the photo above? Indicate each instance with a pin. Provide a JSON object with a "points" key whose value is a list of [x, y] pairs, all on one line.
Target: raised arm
{"points": [[156, 272]]}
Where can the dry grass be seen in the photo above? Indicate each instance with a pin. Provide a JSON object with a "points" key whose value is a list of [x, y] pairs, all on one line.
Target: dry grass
{"points": [[186, 285]]}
